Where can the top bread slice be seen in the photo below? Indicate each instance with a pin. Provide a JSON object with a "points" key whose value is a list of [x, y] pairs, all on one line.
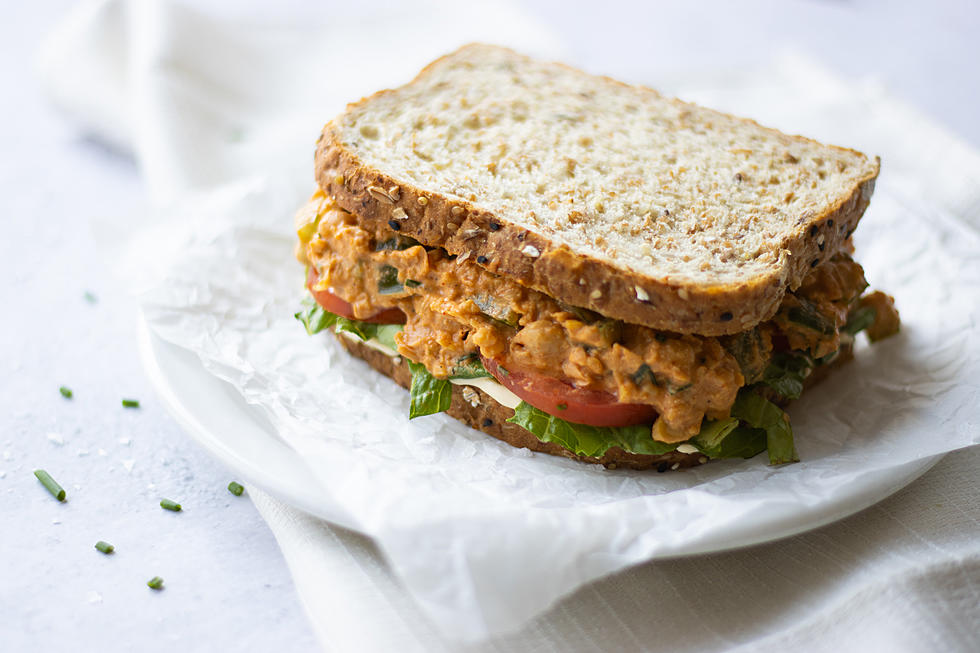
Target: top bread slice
{"points": [[603, 195]]}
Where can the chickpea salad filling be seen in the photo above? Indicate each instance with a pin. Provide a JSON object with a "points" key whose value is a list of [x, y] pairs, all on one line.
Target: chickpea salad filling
{"points": [[571, 375]]}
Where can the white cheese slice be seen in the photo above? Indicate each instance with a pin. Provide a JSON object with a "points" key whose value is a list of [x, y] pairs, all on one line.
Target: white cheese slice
{"points": [[371, 344], [488, 385]]}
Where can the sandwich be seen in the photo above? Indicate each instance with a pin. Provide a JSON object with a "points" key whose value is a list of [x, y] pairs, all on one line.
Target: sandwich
{"points": [[586, 268]]}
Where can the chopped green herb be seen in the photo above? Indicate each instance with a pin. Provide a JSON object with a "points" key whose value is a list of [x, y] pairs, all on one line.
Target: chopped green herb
{"points": [[582, 314], [90, 297], [469, 367], [807, 315], [235, 489], [65, 392], [56, 490], [859, 320], [747, 348], [674, 389], [155, 583], [610, 331], [645, 375], [104, 547], [130, 403], [396, 243], [167, 504], [497, 308], [388, 283]]}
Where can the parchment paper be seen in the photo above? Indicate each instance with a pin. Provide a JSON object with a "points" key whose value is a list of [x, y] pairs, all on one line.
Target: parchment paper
{"points": [[485, 535]]}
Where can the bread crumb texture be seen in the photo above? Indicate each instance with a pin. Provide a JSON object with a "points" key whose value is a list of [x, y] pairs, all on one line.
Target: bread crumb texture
{"points": [[665, 191]]}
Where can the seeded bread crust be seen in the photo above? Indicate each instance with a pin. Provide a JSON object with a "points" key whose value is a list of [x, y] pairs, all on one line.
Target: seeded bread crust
{"points": [[491, 418], [535, 260]]}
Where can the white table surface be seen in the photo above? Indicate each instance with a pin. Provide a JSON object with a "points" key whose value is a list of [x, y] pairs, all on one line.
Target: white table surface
{"points": [[227, 587]]}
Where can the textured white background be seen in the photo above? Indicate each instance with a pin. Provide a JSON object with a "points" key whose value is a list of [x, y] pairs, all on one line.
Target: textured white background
{"points": [[227, 586]]}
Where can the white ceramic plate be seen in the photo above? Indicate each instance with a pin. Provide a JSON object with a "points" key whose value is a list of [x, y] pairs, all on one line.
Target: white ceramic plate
{"points": [[239, 436]]}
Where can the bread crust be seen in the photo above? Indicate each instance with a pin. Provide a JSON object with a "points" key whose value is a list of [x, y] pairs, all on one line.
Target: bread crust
{"points": [[534, 260], [491, 418]]}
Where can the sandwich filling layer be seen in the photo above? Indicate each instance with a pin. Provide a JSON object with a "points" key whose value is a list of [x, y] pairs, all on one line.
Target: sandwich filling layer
{"points": [[456, 312]]}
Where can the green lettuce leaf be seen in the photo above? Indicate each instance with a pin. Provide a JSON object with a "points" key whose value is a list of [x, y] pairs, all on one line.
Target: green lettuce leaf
{"points": [[734, 441], [363, 330], [767, 426], [429, 394], [786, 372], [760, 413], [314, 318], [587, 440], [385, 334]]}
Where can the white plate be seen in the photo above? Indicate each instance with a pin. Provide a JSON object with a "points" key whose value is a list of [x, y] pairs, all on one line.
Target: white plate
{"points": [[239, 436]]}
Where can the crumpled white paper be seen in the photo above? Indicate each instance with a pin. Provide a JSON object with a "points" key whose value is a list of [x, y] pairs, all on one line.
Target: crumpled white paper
{"points": [[483, 535]]}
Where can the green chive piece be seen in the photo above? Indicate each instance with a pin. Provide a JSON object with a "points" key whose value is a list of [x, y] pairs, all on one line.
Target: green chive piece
{"points": [[235, 489], [90, 297], [155, 583], [167, 504], [104, 547], [65, 392], [56, 490], [130, 403]]}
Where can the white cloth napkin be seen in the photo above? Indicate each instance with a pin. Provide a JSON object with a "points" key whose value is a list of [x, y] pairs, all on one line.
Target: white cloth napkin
{"points": [[204, 102]]}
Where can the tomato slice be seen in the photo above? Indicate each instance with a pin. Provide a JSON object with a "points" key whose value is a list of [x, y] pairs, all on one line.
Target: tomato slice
{"points": [[564, 400], [338, 306]]}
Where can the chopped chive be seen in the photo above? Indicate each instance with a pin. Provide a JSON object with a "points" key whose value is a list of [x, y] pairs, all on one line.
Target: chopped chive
{"points": [[90, 297], [130, 403], [56, 490], [65, 392], [167, 504], [104, 547], [235, 489], [155, 583]]}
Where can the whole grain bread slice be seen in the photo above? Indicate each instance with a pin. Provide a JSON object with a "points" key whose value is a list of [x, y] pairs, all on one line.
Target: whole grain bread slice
{"points": [[600, 194]]}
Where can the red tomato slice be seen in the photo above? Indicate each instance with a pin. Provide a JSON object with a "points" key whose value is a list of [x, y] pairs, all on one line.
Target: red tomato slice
{"points": [[338, 306], [564, 400]]}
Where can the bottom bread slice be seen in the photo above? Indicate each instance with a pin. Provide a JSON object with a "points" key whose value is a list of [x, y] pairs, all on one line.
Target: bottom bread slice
{"points": [[490, 417]]}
